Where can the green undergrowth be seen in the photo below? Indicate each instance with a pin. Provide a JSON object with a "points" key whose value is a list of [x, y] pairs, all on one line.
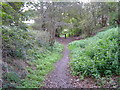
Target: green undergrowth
{"points": [[96, 56], [27, 57], [41, 66]]}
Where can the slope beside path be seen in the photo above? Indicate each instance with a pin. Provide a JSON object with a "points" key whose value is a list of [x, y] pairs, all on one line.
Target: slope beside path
{"points": [[61, 77]]}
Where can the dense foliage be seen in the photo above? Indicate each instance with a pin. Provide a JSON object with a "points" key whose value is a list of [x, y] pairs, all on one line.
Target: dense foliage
{"points": [[96, 56], [16, 42], [29, 50], [25, 45], [24, 49], [79, 18]]}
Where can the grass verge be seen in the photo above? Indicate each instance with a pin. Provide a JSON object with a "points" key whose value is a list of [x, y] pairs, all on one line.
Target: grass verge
{"points": [[96, 56], [39, 68]]}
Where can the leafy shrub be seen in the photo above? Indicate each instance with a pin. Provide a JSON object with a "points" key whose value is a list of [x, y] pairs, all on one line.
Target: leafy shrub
{"points": [[12, 77], [96, 56], [16, 41], [20, 43], [42, 37]]}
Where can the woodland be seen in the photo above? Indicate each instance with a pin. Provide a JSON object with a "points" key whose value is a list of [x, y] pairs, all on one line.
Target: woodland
{"points": [[60, 44]]}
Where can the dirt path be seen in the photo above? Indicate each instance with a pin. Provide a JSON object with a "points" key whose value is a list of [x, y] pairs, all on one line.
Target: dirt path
{"points": [[60, 77]]}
